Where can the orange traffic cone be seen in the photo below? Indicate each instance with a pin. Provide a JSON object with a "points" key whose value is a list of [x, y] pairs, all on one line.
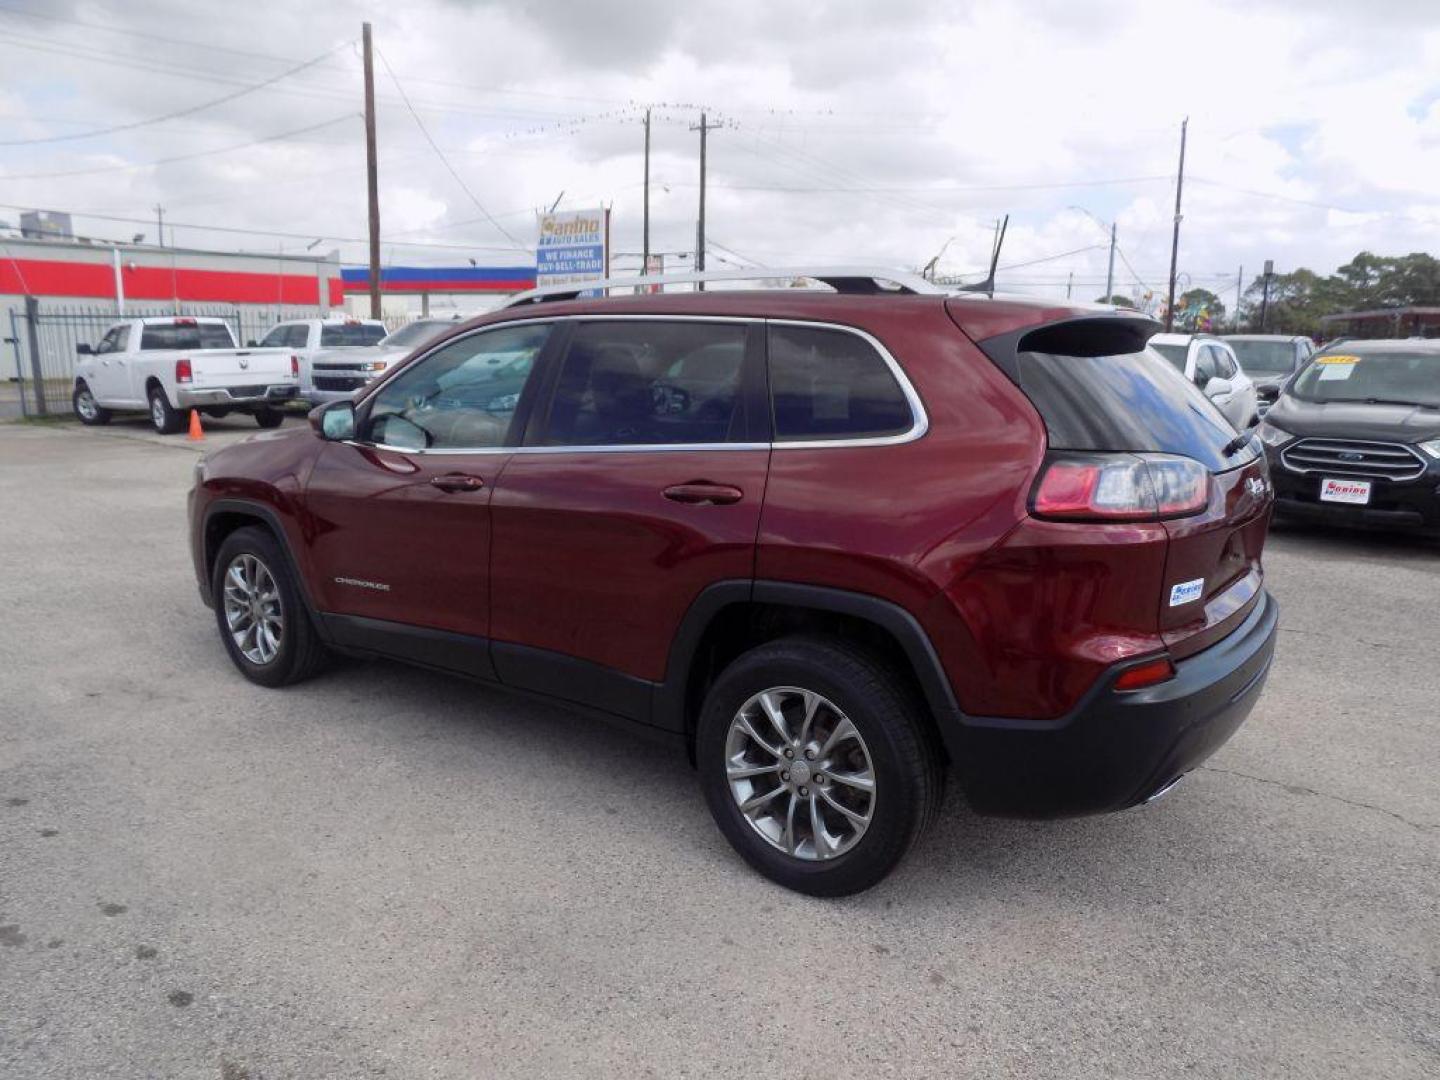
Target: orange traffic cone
{"points": [[197, 434]]}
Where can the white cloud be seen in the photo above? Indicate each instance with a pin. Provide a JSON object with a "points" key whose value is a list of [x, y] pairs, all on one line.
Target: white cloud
{"points": [[889, 128]]}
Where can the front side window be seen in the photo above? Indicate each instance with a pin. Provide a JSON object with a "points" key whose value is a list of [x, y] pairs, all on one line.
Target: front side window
{"points": [[110, 342], [298, 336], [460, 397], [1205, 367], [1224, 366], [649, 383], [278, 338], [832, 384]]}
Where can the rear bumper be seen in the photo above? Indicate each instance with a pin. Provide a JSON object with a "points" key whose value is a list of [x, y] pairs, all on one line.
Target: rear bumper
{"points": [[1118, 749], [236, 396]]}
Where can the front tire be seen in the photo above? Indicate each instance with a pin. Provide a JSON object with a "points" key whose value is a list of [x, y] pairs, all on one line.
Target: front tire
{"points": [[166, 420], [815, 764], [263, 621], [87, 410], [269, 418]]}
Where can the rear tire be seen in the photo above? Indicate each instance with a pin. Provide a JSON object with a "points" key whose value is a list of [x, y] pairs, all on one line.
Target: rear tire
{"points": [[86, 410], [890, 744], [263, 621], [166, 420], [269, 418]]}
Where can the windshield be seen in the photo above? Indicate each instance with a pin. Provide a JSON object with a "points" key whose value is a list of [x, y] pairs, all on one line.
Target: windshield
{"points": [[1176, 354], [417, 332], [1408, 377], [339, 334], [1264, 357]]}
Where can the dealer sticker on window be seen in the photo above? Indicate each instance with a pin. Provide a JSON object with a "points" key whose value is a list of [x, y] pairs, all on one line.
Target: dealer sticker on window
{"points": [[1333, 368], [1187, 592]]}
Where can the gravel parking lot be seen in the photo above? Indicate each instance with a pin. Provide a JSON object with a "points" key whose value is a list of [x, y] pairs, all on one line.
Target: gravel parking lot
{"points": [[389, 873]]}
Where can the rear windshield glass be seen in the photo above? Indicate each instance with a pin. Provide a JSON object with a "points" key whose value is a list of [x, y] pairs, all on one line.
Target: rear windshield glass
{"points": [[1409, 377], [1130, 402], [418, 332], [1176, 354], [341, 334], [1264, 357], [186, 336]]}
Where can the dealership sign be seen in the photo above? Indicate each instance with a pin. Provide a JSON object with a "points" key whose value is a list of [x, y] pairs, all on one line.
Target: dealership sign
{"points": [[573, 247]]}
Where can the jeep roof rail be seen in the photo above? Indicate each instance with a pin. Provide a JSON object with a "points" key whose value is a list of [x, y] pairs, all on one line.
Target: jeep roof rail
{"points": [[843, 279]]}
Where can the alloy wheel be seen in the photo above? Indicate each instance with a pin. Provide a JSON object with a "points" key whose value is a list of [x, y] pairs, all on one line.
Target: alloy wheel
{"points": [[85, 405], [254, 614], [800, 773]]}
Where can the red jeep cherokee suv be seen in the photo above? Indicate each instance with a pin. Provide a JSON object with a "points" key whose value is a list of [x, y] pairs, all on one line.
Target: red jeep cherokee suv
{"points": [[834, 544]]}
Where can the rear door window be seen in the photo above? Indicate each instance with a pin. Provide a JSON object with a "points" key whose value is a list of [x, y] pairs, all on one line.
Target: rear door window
{"points": [[832, 384], [640, 383], [279, 337]]}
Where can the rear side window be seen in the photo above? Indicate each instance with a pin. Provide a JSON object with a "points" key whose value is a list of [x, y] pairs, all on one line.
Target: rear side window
{"points": [[341, 334], [1117, 402], [649, 383], [1224, 365], [276, 338], [186, 336], [832, 384]]}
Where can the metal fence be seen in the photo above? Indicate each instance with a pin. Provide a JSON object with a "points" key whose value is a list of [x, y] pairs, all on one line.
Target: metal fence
{"points": [[42, 339]]}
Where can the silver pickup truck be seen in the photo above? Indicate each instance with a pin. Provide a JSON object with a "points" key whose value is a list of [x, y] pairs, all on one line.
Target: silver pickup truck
{"points": [[173, 364]]}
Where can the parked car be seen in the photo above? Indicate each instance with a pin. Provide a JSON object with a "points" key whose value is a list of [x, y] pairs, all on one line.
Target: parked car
{"points": [[306, 338], [1269, 360], [1355, 438], [174, 364], [338, 373], [1211, 365], [830, 544]]}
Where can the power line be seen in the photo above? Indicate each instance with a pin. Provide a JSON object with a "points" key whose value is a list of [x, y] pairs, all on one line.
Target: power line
{"points": [[264, 232], [441, 155], [945, 190], [189, 111], [180, 157]]}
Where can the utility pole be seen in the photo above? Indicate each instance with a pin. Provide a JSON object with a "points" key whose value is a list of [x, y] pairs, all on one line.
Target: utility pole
{"points": [[160, 224], [645, 246], [1070, 285], [700, 229], [372, 175], [1175, 240], [1265, 292], [1110, 273], [1239, 283]]}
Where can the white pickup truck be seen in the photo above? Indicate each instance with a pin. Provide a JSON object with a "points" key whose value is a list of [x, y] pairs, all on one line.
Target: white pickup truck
{"points": [[174, 364], [307, 338]]}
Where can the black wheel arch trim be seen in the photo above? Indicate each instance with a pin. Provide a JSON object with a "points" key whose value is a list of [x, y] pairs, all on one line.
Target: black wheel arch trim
{"points": [[272, 520], [904, 628]]}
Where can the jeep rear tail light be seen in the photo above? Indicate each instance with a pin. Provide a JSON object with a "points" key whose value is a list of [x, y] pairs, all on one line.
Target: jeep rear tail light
{"points": [[183, 372], [294, 365], [1120, 487], [1147, 674]]}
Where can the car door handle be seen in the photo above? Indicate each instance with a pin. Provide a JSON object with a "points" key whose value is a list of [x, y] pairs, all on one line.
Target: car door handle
{"points": [[703, 493], [457, 482]]}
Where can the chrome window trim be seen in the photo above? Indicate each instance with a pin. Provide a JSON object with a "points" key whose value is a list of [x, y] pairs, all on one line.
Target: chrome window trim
{"points": [[920, 419]]}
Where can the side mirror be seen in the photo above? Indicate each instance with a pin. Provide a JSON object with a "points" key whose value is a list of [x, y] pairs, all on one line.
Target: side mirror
{"points": [[1218, 387], [334, 421], [85, 350]]}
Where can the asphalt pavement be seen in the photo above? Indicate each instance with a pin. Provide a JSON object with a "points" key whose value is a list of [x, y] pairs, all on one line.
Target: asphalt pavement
{"points": [[385, 872]]}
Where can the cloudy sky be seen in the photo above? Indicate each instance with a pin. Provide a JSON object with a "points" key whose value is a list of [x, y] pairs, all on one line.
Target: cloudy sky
{"points": [[849, 132]]}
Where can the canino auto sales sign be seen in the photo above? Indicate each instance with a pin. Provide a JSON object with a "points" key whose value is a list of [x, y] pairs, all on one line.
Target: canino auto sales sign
{"points": [[571, 247]]}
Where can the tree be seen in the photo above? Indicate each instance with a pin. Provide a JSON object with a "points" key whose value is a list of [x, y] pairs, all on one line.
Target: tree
{"points": [[1116, 301]]}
